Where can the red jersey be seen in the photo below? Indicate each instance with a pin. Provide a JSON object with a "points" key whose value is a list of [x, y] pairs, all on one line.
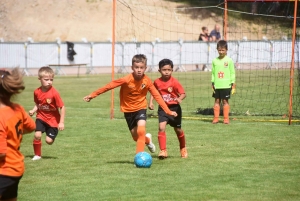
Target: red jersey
{"points": [[133, 93], [169, 90], [13, 122], [48, 104]]}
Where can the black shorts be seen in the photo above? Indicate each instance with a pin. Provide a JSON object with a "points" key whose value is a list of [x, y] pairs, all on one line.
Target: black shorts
{"points": [[51, 132], [222, 93], [9, 187], [133, 117], [172, 121]]}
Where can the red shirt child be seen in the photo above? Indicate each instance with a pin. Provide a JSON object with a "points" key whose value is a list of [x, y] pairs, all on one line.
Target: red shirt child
{"points": [[50, 111], [172, 93]]}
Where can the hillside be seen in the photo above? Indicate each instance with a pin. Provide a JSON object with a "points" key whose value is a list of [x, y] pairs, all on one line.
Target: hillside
{"points": [[143, 20], [72, 20]]}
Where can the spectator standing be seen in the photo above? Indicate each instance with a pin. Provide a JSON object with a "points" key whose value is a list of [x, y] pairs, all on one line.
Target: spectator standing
{"points": [[215, 34], [204, 36]]}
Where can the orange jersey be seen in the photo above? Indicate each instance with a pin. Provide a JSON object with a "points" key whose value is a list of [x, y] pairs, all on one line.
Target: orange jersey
{"points": [[13, 123], [133, 93]]}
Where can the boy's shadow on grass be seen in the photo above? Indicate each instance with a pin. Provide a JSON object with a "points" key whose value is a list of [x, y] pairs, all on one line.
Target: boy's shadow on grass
{"points": [[43, 157], [132, 162], [121, 162]]}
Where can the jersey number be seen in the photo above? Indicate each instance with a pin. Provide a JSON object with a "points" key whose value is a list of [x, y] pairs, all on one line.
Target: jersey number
{"points": [[18, 130]]}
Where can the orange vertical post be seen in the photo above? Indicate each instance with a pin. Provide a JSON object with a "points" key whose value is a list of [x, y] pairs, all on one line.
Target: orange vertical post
{"points": [[113, 56], [225, 23], [292, 64]]}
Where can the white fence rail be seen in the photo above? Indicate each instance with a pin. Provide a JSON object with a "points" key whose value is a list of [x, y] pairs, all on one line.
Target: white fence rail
{"points": [[98, 54]]}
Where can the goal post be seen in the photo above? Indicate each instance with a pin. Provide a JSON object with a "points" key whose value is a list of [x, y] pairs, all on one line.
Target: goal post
{"points": [[261, 44]]}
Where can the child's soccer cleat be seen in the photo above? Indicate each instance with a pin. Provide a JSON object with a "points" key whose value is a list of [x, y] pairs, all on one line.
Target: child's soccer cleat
{"points": [[183, 153], [163, 154], [215, 121], [36, 157], [226, 121], [150, 146]]}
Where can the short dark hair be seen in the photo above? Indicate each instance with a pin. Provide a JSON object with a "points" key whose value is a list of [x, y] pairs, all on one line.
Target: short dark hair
{"points": [[222, 44], [164, 62]]}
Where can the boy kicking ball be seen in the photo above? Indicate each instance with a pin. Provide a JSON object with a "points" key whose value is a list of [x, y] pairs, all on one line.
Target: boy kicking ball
{"points": [[133, 102]]}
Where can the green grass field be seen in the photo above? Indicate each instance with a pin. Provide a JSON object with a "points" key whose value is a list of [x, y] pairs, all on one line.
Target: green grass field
{"points": [[92, 159]]}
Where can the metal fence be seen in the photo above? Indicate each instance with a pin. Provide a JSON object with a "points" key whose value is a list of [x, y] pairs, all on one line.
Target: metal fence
{"points": [[98, 54]]}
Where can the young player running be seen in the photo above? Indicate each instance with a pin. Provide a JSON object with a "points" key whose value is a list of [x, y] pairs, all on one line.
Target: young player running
{"points": [[14, 122], [50, 111], [173, 93], [133, 102], [223, 81]]}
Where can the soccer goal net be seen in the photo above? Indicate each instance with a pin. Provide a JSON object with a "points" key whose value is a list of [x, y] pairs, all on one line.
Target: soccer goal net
{"points": [[259, 36]]}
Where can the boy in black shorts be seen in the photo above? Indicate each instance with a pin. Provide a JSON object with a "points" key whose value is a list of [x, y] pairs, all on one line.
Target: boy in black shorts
{"points": [[173, 93], [223, 81]]}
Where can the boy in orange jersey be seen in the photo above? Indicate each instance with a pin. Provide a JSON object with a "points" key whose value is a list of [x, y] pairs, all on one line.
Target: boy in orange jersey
{"points": [[50, 111], [14, 122], [133, 102], [173, 93]]}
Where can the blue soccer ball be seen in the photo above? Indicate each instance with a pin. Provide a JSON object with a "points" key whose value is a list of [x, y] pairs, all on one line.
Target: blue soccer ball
{"points": [[143, 160]]}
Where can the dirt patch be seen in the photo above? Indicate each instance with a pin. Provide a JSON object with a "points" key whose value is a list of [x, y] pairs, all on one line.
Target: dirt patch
{"points": [[72, 20]]}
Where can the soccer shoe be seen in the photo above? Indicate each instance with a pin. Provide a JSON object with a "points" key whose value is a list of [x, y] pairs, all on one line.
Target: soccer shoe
{"points": [[183, 153], [163, 154], [215, 121], [150, 146], [226, 121], [36, 157]]}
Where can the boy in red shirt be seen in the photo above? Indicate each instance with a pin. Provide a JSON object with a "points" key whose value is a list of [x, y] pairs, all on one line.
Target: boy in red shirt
{"points": [[133, 102], [173, 93], [14, 122], [50, 111]]}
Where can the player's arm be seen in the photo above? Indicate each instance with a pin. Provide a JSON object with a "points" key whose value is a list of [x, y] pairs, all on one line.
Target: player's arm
{"points": [[61, 124], [3, 144], [28, 123], [113, 84], [232, 77], [34, 109], [181, 97], [180, 92], [213, 77], [160, 101], [232, 72], [151, 105]]}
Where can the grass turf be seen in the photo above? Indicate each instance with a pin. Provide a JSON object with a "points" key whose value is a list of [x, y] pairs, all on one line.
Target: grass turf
{"points": [[92, 159]]}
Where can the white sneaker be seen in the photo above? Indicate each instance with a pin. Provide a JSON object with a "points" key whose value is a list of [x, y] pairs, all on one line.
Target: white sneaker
{"points": [[36, 157], [150, 146]]}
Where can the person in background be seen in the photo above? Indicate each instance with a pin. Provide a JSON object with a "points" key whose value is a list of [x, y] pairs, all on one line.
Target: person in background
{"points": [[215, 34], [204, 36]]}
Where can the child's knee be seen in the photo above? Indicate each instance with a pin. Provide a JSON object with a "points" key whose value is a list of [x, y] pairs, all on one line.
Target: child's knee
{"points": [[49, 140], [162, 129], [38, 135], [178, 131]]}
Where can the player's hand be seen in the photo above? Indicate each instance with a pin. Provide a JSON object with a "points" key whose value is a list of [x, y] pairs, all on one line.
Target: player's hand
{"points": [[178, 100], [87, 98], [174, 114], [61, 126], [232, 88], [31, 112], [213, 87], [151, 106]]}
